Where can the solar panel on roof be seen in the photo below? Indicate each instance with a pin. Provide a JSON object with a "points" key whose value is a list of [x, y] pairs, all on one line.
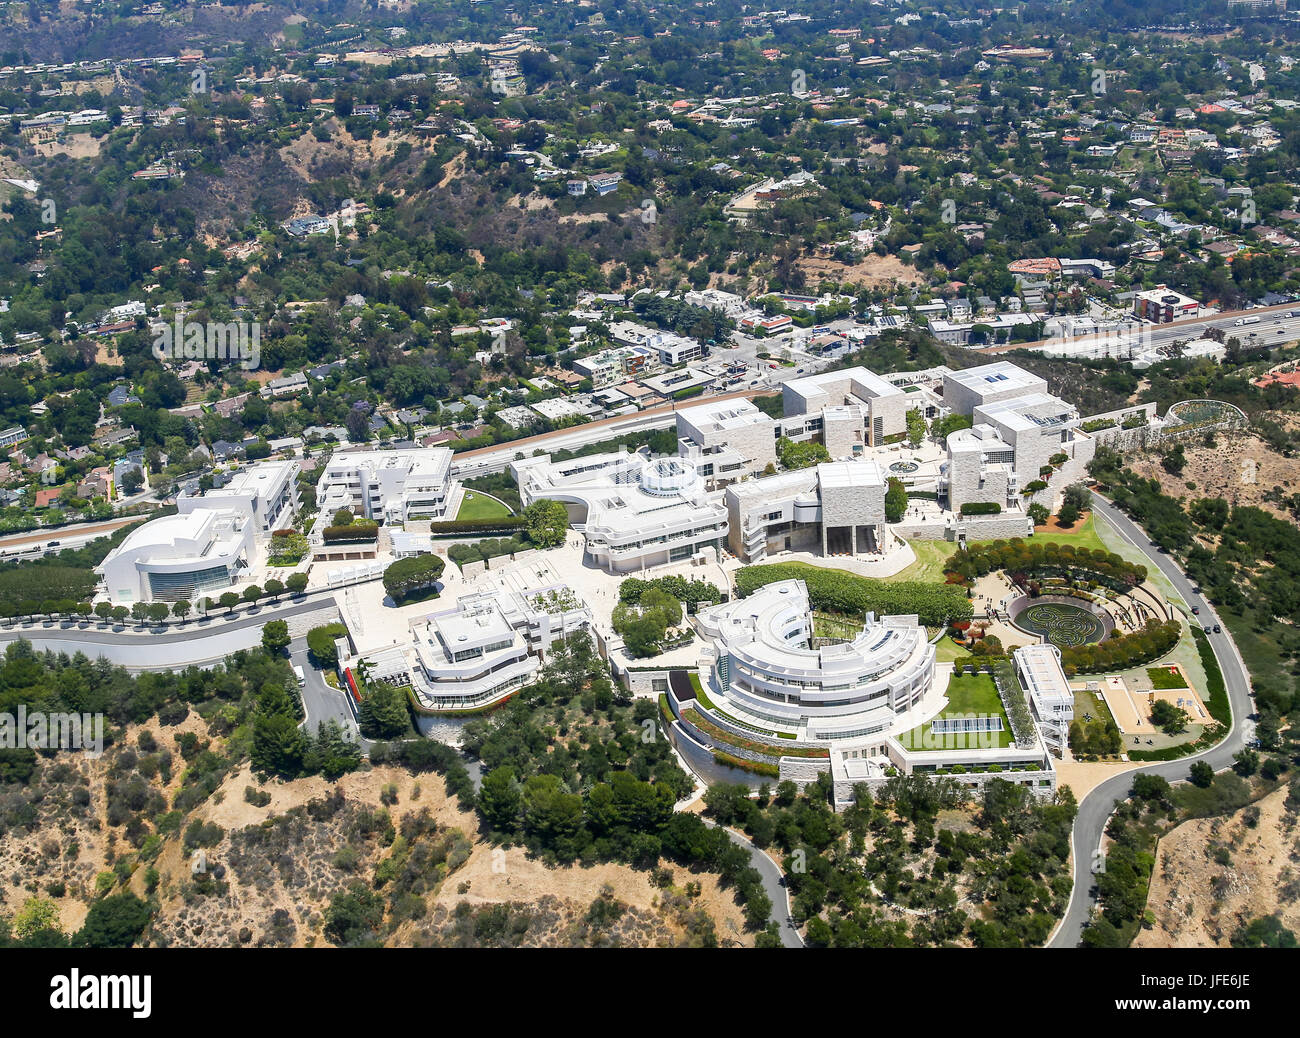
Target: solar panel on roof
{"points": [[957, 725]]}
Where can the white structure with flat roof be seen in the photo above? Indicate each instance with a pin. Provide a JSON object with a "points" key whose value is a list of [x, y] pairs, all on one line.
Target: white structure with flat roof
{"points": [[1015, 443], [485, 648], [965, 390], [726, 439], [858, 708], [634, 511], [1020, 435], [1040, 672], [876, 407], [266, 491], [209, 545], [187, 556], [768, 673], [393, 486]]}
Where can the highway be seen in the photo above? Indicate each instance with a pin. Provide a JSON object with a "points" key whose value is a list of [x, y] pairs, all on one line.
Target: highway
{"points": [[1096, 808], [1274, 327]]}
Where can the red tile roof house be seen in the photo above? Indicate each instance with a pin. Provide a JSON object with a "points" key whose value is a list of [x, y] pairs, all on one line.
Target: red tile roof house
{"points": [[47, 496]]}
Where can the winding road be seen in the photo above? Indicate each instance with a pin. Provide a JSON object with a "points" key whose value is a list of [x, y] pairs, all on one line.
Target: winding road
{"points": [[1096, 808], [773, 885]]}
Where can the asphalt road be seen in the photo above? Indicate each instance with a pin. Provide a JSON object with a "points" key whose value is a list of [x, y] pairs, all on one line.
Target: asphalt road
{"points": [[773, 885], [73, 536], [1274, 327], [321, 701], [193, 632], [483, 460], [1096, 808]]}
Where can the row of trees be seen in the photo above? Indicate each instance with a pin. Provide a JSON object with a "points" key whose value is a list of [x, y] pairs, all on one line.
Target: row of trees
{"points": [[1121, 652], [1045, 558], [836, 591], [153, 612], [690, 592]]}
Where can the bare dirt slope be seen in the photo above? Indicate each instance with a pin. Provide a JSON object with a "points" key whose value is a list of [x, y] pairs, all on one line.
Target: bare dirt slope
{"points": [[258, 863], [1213, 875], [1241, 470]]}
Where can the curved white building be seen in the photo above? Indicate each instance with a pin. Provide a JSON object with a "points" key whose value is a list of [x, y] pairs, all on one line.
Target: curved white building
{"points": [[180, 557], [770, 674], [209, 546], [634, 511], [774, 698]]}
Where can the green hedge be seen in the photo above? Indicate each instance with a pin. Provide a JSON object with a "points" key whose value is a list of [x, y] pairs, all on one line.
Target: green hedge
{"points": [[839, 592], [981, 508], [1217, 699], [504, 524], [351, 532]]}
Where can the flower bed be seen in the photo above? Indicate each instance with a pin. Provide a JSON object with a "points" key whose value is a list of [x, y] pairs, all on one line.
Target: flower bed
{"points": [[722, 735]]}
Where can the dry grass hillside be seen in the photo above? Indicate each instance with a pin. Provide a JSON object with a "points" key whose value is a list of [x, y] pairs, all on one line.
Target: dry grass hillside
{"points": [[1213, 875], [1239, 469], [259, 863]]}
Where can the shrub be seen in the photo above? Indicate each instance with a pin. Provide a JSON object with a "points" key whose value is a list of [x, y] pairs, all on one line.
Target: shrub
{"points": [[936, 605], [504, 524], [320, 643], [981, 508], [351, 532]]}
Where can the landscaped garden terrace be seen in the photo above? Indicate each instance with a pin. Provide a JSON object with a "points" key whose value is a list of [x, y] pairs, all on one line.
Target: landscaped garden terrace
{"points": [[969, 696]]}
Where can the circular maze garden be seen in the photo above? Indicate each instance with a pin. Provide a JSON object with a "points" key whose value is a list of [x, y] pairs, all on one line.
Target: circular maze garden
{"points": [[1061, 623]]}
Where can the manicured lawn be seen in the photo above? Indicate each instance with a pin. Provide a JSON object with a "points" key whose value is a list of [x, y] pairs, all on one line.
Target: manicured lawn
{"points": [[972, 694], [932, 555], [1082, 535], [948, 651], [930, 559], [967, 694], [1090, 703], [1163, 677], [479, 506]]}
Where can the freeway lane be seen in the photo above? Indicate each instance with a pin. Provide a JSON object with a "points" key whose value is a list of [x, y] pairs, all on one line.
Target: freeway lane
{"points": [[1251, 335], [1097, 807]]}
